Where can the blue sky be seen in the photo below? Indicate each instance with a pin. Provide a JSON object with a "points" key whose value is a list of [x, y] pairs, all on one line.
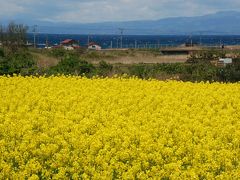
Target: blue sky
{"points": [[83, 11]]}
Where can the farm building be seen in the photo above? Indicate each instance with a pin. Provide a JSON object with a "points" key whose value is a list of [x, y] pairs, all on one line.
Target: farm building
{"points": [[69, 44], [94, 46]]}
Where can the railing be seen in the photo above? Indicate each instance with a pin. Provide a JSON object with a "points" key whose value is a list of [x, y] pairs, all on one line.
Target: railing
{"points": [[164, 46]]}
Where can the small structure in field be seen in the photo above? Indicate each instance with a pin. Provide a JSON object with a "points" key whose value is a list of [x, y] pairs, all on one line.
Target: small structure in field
{"points": [[94, 46], [224, 61], [70, 44]]}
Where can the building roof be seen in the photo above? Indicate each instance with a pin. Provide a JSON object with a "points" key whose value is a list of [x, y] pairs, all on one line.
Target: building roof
{"points": [[67, 41], [92, 43]]}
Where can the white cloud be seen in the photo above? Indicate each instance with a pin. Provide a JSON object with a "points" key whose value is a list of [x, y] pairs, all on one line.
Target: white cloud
{"points": [[111, 10], [122, 10], [10, 8]]}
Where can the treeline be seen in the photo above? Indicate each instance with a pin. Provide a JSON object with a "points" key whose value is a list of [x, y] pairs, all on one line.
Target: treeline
{"points": [[15, 58]]}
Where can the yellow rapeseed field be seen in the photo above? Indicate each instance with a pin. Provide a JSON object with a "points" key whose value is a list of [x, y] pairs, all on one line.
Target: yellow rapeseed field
{"points": [[68, 127]]}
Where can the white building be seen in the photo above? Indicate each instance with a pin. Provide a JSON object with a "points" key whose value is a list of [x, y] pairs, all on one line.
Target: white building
{"points": [[69, 44], [225, 61], [94, 46]]}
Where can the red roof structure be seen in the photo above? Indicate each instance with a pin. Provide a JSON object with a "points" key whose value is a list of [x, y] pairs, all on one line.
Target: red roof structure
{"points": [[68, 41], [92, 43]]}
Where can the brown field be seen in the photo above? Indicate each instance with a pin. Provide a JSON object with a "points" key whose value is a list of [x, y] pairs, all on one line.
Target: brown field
{"points": [[44, 60], [131, 56], [145, 59]]}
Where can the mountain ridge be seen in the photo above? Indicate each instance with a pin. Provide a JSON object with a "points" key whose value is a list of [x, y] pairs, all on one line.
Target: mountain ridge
{"points": [[220, 23]]}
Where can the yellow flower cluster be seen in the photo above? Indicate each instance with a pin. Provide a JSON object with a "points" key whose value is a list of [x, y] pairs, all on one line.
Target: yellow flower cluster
{"points": [[69, 127]]}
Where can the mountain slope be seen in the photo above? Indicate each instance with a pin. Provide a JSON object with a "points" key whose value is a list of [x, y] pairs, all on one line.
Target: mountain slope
{"points": [[219, 23]]}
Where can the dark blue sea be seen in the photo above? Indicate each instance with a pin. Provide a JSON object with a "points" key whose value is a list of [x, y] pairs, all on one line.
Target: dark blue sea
{"points": [[140, 41]]}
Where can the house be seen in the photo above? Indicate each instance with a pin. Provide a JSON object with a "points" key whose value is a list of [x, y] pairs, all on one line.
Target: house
{"points": [[69, 44], [94, 46]]}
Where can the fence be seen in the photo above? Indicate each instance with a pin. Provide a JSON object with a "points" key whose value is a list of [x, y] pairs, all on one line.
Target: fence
{"points": [[162, 46]]}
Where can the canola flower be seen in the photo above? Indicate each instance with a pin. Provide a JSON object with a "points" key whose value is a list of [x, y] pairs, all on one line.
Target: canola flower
{"points": [[69, 127]]}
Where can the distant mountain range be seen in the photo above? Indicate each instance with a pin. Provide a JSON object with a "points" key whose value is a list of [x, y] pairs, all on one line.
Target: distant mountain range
{"points": [[221, 23]]}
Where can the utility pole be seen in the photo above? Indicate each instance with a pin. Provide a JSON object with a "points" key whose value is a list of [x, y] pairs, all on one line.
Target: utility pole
{"points": [[111, 45], [34, 35], [191, 37], [46, 45], [121, 32], [88, 41]]}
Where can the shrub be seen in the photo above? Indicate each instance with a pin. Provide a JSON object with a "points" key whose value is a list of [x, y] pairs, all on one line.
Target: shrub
{"points": [[93, 55], [174, 68], [203, 72], [139, 70], [104, 68], [73, 65], [205, 56], [58, 52], [21, 62], [1, 53], [231, 73]]}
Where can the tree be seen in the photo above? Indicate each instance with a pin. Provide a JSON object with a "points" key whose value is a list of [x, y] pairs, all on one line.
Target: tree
{"points": [[14, 59], [13, 36]]}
